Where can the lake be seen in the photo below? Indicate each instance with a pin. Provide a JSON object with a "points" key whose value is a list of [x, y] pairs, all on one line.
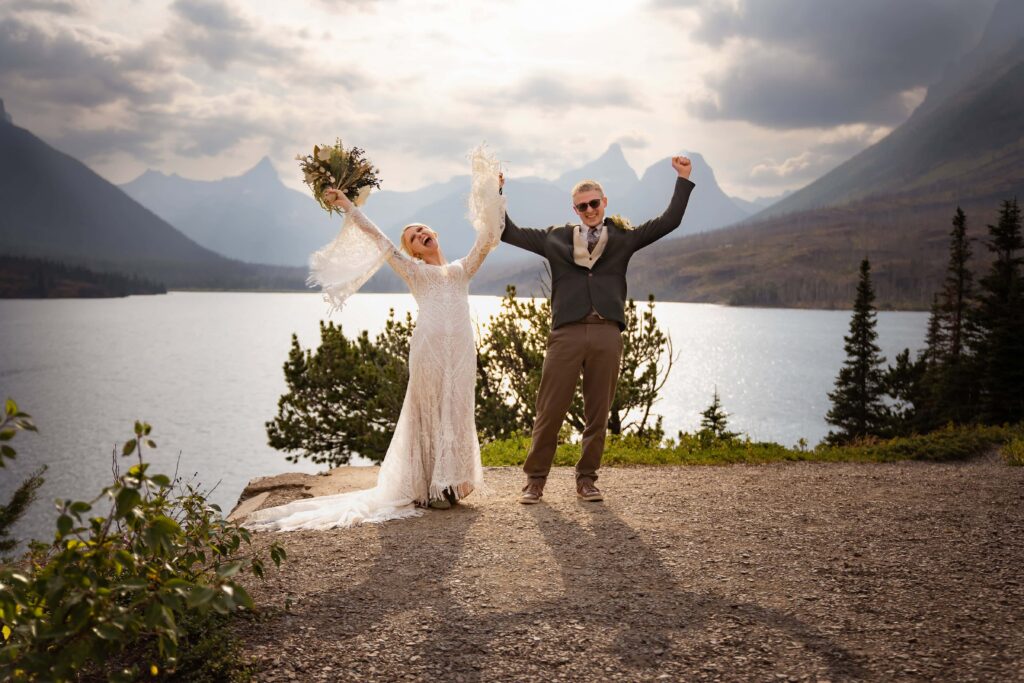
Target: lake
{"points": [[205, 369]]}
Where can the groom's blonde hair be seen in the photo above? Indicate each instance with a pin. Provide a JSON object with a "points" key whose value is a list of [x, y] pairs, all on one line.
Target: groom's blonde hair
{"points": [[587, 186]]}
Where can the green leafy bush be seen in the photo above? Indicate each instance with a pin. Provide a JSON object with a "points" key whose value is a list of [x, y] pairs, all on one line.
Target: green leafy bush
{"points": [[510, 358], [14, 420], [126, 585]]}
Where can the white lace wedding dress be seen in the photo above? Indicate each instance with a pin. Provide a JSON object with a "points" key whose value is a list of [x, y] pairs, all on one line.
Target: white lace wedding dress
{"points": [[435, 441]]}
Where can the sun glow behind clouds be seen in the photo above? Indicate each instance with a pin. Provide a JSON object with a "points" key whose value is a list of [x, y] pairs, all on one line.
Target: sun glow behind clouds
{"points": [[550, 85]]}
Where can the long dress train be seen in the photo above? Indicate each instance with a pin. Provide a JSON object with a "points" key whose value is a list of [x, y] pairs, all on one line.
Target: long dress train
{"points": [[435, 445]]}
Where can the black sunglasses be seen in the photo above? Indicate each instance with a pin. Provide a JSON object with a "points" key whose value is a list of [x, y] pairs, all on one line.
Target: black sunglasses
{"points": [[593, 204]]}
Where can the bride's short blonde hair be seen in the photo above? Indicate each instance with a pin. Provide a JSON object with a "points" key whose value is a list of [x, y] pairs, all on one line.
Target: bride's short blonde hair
{"points": [[404, 245]]}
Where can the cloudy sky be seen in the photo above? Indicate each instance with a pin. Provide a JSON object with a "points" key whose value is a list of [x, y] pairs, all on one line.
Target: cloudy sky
{"points": [[772, 92]]}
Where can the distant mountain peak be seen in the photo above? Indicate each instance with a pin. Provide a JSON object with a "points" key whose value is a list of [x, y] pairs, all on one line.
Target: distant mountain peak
{"points": [[4, 116], [611, 167], [613, 153], [263, 172]]}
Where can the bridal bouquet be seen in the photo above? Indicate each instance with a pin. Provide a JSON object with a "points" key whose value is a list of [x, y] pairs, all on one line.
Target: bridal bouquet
{"points": [[333, 166]]}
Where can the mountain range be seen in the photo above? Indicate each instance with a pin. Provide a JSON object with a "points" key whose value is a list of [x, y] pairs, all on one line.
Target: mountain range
{"points": [[964, 145], [52, 206], [255, 217]]}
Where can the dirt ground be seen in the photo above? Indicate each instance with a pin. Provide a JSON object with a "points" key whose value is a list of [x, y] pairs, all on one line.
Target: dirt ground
{"points": [[822, 572]]}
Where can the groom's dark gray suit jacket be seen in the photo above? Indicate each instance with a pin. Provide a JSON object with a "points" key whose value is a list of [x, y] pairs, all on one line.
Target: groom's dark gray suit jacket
{"points": [[576, 289]]}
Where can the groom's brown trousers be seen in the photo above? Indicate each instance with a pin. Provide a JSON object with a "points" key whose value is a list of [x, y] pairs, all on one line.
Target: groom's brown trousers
{"points": [[593, 345]]}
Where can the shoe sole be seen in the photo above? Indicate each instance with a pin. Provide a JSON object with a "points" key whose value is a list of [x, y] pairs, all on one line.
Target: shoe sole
{"points": [[529, 501], [590, 499]]}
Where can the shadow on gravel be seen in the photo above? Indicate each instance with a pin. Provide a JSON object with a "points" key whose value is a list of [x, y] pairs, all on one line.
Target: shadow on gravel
{"points": [[650, 607], [613, 582]]}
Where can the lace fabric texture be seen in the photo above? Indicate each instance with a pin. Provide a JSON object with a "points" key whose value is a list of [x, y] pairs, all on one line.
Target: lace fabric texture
{"points": [[435, 441]]}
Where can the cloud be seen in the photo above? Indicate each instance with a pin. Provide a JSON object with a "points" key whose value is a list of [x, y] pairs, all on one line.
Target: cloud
{"points": [[676, 4], [206, 84], [359, 5], [832, 149], [552, 94], [633, 141], [66, 68], [65, 7], [217, 33], [794, 64]]}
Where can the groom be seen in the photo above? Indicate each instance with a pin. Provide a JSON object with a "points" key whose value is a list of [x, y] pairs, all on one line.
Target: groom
{"points": [[588, 297]]}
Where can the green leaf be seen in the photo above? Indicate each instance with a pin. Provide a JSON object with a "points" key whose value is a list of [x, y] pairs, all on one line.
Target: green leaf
{"points": [[7, 434], [129, 447], [223, 604], [64, 525], [138, 428], [160, 534], [200, 596], [166, 525], [150, 443], [127, 500], [79, 507], [180, 586], [154, 615], [160, 480], [7, 451], [107, 631], [11, 408], [229, 569], [242, 597]]}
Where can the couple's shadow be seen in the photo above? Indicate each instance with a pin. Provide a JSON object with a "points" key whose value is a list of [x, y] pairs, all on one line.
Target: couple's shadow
{"points": [[617, 601]]}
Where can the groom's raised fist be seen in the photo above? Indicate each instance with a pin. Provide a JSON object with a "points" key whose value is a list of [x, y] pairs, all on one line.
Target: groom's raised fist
{"points": [[682, 166]]}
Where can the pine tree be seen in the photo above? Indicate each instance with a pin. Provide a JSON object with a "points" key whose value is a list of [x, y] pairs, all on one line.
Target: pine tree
{"points": [[904, 385], [958, 289], [715, 421], [949, 384], [857, 407], [935, 338], [344, 398], [1000, 322]]}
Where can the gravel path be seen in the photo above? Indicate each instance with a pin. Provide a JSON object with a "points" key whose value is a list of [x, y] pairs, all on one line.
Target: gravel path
{"points": [[807, 571]]}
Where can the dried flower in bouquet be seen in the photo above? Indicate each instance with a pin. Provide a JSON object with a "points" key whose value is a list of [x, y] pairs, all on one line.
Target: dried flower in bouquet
{"points": [[334, 167], [620, 222]]}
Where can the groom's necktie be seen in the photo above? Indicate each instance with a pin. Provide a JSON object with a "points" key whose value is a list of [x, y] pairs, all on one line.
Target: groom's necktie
{"points": [[591, 239]]}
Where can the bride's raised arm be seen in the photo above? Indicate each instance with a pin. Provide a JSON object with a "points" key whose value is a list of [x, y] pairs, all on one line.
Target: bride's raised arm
{"points": [[486, 209], [359, 250]]}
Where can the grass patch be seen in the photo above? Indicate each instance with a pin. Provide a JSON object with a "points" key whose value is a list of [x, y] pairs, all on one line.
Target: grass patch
{"points": [[1013, 452], [945, 445]]}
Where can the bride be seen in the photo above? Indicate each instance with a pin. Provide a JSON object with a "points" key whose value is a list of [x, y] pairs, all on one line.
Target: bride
{"points": [[434, 455]]}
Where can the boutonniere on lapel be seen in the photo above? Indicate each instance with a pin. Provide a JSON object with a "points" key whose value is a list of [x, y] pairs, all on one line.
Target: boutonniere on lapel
{"points": [[620, 222]]}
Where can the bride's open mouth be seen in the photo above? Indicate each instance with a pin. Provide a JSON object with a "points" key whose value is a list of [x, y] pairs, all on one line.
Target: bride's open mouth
{"points": [[427, 240]]}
